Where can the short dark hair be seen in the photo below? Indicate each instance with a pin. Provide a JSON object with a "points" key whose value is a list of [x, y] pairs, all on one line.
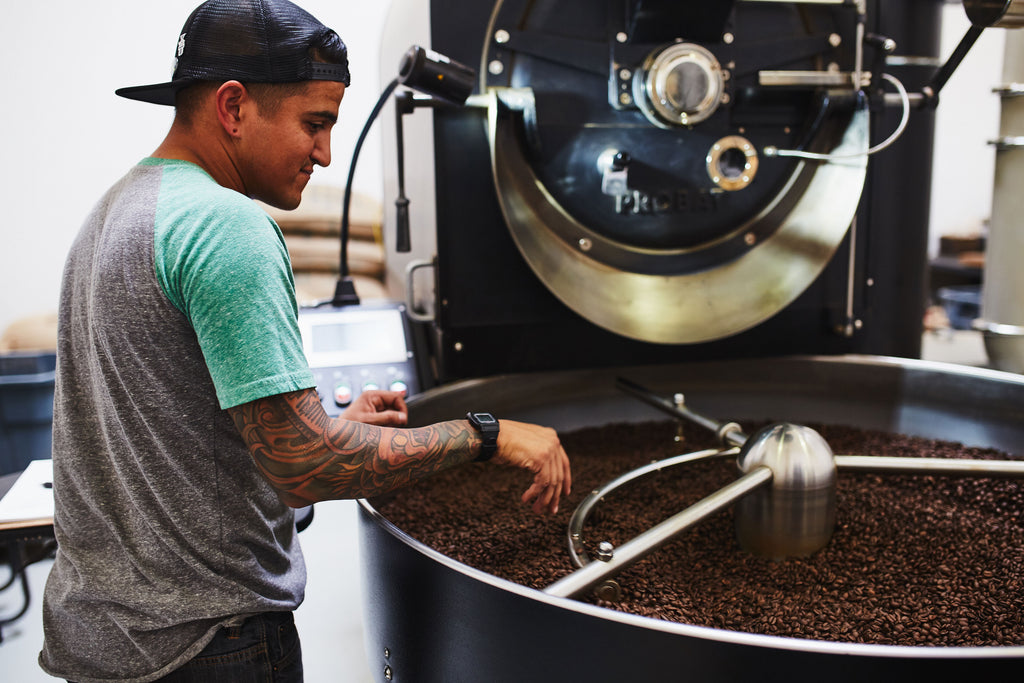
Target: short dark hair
{"points": [[268, 96]]}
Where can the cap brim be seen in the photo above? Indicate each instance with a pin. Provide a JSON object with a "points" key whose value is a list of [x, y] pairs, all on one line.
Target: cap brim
{"points": [[159, 93]]}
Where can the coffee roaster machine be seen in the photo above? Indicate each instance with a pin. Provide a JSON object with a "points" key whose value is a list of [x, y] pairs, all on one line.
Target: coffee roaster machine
{"points": [[724, 198], [629, 185]]}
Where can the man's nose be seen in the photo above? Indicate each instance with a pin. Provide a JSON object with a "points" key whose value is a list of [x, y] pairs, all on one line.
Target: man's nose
{"points": [[322, 153]]}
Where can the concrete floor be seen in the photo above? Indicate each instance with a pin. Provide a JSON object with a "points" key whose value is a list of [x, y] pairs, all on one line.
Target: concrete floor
{"points": [[330, 620]]}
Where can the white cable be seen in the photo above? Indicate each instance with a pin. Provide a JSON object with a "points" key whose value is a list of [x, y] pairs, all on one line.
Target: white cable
{"points": [[904, 99]]}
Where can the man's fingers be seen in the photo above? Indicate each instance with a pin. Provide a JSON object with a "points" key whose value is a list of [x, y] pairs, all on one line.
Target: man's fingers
{"points": [[538, 450], [543, 495], [388, 418]]}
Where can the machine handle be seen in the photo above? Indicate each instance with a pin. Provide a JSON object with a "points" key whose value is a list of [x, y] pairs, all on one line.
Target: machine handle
{"points": [[410, 293], [402, 242]]}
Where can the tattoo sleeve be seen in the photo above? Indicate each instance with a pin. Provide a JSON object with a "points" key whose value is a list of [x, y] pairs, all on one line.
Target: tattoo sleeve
{"points": [[309, 457]]}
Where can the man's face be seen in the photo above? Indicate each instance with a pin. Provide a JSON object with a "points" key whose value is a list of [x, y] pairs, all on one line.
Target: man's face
{"points": [[280, 148]]}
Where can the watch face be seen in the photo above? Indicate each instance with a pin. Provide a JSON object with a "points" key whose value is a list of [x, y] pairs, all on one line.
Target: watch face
{"points": [[485, 418]]}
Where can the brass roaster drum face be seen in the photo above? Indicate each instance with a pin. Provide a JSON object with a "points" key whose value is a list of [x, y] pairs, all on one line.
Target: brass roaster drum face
{"points": [[691, 235]]}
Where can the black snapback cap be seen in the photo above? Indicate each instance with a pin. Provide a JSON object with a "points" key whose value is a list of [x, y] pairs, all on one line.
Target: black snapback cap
{"points": [[255, 41]]}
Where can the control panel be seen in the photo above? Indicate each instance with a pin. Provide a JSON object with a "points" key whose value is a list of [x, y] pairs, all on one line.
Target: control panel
{"points": [[355, 348]]}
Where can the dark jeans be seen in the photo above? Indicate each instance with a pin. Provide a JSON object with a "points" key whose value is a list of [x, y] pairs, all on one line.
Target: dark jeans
{"points": [[263, 649]]}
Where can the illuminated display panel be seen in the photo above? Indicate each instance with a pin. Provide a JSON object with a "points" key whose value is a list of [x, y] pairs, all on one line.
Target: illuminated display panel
{"points": [[353, 337]]}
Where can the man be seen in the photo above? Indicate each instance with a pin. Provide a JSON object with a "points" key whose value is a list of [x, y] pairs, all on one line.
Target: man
{"points": [[186, 418]]}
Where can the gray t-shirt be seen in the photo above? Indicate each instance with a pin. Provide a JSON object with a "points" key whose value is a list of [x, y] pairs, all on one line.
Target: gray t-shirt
{"points": [[178, 302]]}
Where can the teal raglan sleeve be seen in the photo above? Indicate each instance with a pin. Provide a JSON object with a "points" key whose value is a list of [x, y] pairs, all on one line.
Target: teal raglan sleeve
{"points": [[230, 274]]}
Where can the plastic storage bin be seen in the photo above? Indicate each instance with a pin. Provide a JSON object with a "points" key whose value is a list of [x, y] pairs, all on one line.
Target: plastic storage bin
{"points": [[26, 409], [962, 305]]}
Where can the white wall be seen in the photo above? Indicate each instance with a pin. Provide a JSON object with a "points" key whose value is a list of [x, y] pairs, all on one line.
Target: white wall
{"points": [[966, 119], [66, 137]]}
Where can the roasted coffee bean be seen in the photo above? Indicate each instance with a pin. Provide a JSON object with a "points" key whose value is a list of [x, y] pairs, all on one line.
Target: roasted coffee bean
{"points": [[914, 560]]}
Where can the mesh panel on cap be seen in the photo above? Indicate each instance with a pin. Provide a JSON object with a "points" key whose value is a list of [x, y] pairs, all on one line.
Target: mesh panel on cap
{"points": [[230, 40], [259, 41]]}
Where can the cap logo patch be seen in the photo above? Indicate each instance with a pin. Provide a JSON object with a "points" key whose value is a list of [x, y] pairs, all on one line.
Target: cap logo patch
{"points": [[181, 44]]}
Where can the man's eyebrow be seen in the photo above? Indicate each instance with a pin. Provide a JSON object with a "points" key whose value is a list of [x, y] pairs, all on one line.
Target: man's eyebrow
{"points": [[330, 116]]}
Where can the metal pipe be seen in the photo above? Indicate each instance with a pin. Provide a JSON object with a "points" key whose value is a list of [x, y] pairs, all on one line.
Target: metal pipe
{"points": [[849, 324], [579, 516], [859, 45], [924, 466], [942, 75], [632, 551], [727, 431]]}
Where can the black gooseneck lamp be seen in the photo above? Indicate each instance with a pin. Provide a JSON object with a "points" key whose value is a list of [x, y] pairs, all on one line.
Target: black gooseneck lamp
{"points": [[446, 83]]}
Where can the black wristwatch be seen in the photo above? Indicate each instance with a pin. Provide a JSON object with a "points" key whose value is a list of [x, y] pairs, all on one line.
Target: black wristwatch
{"points": [[487, 425]]}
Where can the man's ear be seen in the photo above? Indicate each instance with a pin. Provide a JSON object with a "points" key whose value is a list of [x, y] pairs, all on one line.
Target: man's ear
{"points": [[231, 98]]}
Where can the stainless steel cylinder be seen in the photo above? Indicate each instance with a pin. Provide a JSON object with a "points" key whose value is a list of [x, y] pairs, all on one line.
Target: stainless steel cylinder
{"points": [[1002, 306], [795, 515]]}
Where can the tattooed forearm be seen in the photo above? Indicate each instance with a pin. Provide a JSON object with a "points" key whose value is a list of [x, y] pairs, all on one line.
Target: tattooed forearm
{"points": [[309, 457]]}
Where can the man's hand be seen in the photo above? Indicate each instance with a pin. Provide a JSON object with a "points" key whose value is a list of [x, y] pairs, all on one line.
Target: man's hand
{"points": [[537, 449], [376, 407]]}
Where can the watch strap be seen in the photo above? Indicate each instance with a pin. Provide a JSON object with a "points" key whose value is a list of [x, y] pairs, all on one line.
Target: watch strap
{"points": [[487, 425]]}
